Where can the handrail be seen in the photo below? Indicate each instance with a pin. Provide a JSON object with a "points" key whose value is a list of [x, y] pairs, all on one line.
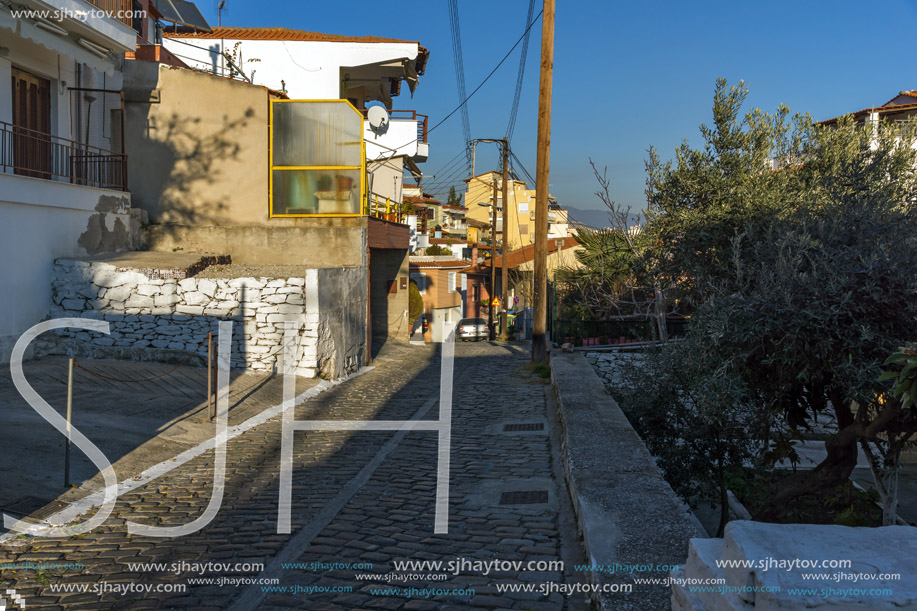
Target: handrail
{"points": [[116, 7], [38, 154]]}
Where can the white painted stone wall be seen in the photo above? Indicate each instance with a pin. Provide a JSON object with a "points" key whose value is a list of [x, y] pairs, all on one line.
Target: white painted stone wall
{"points": [[873, 554], [608, 365], [167, 318]]}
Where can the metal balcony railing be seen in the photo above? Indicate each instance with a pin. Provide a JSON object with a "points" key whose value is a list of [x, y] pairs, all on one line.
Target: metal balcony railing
{"points": [[120, 10], [28, 152]]}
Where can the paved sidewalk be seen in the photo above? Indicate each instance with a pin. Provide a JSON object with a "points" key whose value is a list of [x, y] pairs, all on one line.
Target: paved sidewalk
{"points": [[356, 498]]}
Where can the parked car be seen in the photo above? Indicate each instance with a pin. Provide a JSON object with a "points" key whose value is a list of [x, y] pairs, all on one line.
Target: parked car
{"points": [[472, 328]]}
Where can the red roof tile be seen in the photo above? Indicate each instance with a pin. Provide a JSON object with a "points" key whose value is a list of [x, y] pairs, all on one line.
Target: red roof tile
{"points": [[522, 255], [275, 34]]}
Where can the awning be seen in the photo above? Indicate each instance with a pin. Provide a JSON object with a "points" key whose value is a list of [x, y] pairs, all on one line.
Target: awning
{"points": [[65, 45]]}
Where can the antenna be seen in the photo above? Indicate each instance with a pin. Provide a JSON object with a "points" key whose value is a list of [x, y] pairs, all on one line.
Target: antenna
{"points": [[378, 119]]}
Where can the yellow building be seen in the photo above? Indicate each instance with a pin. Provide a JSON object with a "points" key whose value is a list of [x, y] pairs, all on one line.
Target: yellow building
{"points": [[520, 214]]}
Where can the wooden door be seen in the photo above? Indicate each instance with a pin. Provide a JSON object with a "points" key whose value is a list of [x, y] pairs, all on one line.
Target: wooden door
{"points": [[31, 124]]}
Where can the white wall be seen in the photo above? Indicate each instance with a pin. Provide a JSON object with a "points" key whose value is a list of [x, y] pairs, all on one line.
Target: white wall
{"points": [[42, 221], [399, 139], [443, 319], [310, 69]]}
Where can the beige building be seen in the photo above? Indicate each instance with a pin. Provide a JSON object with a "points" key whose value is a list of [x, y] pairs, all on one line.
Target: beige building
{"points": [[520, 214]]}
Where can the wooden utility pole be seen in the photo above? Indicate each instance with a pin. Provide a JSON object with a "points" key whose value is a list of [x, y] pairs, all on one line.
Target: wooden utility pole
{"points": [[542, 171], [493, 260], [504, 271]]}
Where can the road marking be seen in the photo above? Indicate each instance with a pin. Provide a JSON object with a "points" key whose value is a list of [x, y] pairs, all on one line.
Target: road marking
{"points": [[298, 544]]}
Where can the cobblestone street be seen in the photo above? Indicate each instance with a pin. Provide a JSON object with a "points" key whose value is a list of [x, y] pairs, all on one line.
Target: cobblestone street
{"points": [[362, 497]]}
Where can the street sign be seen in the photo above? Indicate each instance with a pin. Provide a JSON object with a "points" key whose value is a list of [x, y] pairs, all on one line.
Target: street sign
{"points": [[495, 302]]}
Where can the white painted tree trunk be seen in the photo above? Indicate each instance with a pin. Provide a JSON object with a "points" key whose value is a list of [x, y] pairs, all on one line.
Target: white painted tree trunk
{"points": [[883, 463]]}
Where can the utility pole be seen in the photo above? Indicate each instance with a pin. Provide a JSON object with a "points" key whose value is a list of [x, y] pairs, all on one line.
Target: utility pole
{"points": [[493, 260], [504, 271], [539, 346]]}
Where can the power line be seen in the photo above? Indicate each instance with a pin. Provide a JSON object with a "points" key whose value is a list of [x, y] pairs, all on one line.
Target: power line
{"points": [[519, 77], [476, 89], [526, 172], [460, 72], [487, 78]]}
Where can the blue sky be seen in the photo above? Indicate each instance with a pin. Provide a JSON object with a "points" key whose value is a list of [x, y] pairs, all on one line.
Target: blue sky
{"points": [[627, 75]]}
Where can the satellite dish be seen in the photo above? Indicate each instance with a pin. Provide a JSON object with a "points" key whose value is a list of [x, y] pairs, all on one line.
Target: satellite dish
{"points": [[378, 118]]}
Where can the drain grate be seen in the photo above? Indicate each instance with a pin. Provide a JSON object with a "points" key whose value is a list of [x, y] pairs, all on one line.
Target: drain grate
{"points": [[524, 426], [524, 497], [34, 507]]}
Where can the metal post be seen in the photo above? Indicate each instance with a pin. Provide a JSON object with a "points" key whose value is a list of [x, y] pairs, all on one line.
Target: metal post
{"points": [[493, 260], [69, 416], [211, 406], [504, 270]]}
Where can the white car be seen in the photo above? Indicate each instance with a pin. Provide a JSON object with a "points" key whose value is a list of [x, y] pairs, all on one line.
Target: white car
{"points": [[472, 328]]}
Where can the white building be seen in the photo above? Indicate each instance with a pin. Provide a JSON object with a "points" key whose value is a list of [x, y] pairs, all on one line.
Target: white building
{"points": [[62, 171], [366, 70]]}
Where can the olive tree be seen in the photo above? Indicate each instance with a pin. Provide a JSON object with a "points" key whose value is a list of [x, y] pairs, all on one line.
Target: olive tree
{"points": [[797, 243]]}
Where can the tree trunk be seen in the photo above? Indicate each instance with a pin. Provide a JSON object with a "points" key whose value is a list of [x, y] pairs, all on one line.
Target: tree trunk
{"points": [[833, 471]]}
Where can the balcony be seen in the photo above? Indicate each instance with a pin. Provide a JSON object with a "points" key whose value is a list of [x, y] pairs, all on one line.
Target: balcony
{"points": [[405, 134], [36, 154], [119, 10]]}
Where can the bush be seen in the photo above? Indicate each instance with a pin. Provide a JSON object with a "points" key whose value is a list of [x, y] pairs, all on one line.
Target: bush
{"points": [[415, 302]]}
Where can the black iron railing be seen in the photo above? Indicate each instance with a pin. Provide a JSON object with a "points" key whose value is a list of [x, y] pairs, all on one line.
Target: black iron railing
{"points": [[29, 152]]}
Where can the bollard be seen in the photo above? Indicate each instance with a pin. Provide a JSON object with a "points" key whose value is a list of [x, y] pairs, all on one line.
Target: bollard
{"points": [[69, 415], [211, 404]]}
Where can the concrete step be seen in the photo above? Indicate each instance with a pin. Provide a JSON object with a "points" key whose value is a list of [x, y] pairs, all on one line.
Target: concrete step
{"points": [[682, 598]]}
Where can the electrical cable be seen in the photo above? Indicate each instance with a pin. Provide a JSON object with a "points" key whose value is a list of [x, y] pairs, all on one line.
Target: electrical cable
{"points": [[519, 77]]}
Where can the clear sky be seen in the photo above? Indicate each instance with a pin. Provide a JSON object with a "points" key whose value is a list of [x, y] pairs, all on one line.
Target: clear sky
{"points": [[627, 75]]}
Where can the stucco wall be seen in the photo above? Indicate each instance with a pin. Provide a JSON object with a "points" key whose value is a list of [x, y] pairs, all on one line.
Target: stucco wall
{"points": [[389, 310], [44, 220], [339, 295], [198, 155], [314, 242]]}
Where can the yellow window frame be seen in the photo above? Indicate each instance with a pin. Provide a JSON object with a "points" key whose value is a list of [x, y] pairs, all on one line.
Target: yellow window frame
{"points": [[272, 167]]}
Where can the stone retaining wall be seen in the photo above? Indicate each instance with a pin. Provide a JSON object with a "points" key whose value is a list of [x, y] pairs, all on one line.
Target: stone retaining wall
{"points": [[164, 319], [627, 512]]}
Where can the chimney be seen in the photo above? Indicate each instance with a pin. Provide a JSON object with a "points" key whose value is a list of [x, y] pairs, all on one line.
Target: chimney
{"points": [[474, 255]]}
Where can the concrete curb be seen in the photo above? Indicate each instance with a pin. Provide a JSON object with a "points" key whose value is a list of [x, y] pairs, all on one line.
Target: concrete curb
{"points": [[627, 513]]}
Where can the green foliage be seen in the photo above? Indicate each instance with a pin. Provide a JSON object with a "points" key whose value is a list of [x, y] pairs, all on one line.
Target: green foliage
{"points": [[603, 278], [804, 278], [675, 399], [415, 302], [437, 250], [905, 375], [454, 198]]}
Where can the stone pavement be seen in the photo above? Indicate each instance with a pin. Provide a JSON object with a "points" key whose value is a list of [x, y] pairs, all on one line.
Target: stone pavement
{"points": [[356, 499], [136, 425]]}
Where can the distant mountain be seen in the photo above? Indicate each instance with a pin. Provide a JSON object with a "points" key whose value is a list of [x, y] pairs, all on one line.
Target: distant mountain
{"points": [[596, 219]]}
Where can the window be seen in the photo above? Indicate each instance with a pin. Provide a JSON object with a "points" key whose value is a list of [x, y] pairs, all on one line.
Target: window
{"points": [[452, 282], [421, 281], [317, 159]]}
